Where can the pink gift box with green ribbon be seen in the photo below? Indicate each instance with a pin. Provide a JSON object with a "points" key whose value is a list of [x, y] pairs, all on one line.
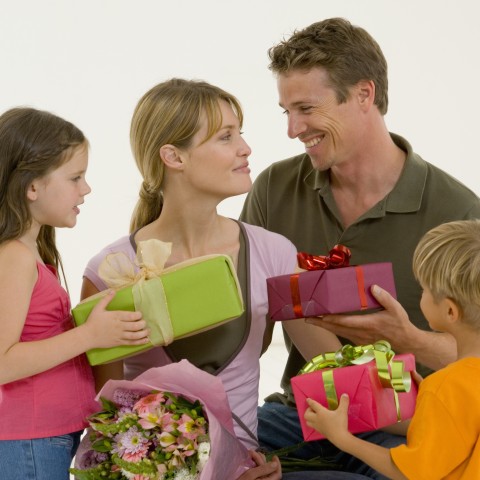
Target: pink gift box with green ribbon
{"points": [[377, 382]]}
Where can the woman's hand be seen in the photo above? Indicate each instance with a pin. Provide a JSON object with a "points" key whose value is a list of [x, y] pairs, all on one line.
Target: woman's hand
{"points": [[264, 470]]}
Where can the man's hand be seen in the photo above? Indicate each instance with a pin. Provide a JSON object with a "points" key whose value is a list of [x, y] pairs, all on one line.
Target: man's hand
{"points": [[435, 350]]}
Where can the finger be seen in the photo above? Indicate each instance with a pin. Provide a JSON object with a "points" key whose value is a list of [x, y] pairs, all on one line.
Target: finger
{"points": [[132, 319], [314, 405], [417, 378], [257, 457], [344, 403], [383, 297], [136, 338], [105, 300], [134, 326]]}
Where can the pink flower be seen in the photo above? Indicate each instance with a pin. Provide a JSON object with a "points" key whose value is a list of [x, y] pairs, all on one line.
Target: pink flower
{"points": [[190, 428], [149, 403], [131, 445], [166, 439]]}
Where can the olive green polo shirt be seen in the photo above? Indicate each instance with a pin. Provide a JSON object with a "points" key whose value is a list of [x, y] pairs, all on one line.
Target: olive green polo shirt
{"points": [[290, 197]]}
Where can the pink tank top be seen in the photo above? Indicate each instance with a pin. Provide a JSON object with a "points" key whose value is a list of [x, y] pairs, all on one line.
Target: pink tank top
{"points": [[57, 401]]}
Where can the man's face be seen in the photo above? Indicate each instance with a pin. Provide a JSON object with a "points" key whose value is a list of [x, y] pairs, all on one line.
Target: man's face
{"points": [[315, 117]]}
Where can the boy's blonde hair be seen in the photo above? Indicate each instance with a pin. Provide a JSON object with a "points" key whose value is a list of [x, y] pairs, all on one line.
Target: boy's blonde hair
{"points": [[447, 262]]}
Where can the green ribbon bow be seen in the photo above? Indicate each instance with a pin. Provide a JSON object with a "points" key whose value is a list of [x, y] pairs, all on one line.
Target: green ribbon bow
{"points": [[391, 373]]}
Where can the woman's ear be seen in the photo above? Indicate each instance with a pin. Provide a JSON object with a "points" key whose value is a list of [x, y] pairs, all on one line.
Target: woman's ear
{"points": [[171, 157]]}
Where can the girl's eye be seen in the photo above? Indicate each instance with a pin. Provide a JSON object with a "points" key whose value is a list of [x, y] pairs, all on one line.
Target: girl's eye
{"points": [[76, 179]]}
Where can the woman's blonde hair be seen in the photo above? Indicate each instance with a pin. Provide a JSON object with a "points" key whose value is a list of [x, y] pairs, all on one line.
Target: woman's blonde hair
{"points": [[447, 262], [170, 113]]}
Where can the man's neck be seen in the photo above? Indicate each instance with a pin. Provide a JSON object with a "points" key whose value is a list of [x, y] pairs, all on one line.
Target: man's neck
{"points": [[360, 183]]}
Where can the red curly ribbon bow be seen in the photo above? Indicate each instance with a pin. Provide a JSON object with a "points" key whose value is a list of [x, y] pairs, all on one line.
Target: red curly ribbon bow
{"points": [[339, 256]]}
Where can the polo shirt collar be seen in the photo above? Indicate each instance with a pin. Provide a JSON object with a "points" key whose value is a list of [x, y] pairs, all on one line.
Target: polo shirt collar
{"points": [[407, 194]]}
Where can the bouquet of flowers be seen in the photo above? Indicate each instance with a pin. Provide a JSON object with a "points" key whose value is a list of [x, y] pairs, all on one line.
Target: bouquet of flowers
{"points": [[157, 435], [170, 423]]}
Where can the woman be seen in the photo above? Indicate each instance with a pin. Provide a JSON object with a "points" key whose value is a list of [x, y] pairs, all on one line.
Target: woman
{"points": [[187, 143]]}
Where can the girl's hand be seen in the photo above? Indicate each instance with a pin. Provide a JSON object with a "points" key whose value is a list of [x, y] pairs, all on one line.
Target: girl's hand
{"points": [[264, 470], [113, 328], [331, 423]]}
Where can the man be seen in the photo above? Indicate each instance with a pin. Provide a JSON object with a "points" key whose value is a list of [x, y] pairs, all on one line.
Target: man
{"points": [[356, 185]]}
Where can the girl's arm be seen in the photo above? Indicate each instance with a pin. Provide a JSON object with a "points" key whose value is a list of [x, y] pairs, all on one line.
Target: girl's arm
{"points": [[334, 425], [109, 371], [18, 275]]}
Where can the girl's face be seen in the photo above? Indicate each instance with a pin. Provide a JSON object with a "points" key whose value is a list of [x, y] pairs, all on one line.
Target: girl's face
{"points": [[219, 166], [55, 197]]}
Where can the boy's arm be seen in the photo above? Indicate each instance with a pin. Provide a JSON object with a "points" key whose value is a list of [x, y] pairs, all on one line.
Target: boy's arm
{"points": [[334, 425]]}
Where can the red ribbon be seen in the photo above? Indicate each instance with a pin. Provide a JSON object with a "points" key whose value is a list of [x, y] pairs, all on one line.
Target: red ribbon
{"points": [[339, 256], [361, 288]]}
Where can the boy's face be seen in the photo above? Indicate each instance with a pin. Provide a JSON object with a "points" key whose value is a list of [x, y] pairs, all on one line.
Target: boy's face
{"points": [[434, 311]]}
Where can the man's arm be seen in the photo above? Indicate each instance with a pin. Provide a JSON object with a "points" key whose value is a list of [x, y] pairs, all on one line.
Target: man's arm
{"points": [[432, 349]]}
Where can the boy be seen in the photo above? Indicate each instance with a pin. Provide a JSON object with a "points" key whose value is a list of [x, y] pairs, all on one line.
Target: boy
{"points": [[443, 437]]}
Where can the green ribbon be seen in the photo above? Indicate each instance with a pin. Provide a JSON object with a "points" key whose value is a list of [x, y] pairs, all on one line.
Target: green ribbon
{"points": [[391, 373]]}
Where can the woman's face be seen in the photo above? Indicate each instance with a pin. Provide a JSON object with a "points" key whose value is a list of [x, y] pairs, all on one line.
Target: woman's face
{"points": [[219, 166]]}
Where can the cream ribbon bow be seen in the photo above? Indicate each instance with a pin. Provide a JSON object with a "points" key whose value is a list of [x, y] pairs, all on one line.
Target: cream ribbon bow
{"points": [[118, 271]]}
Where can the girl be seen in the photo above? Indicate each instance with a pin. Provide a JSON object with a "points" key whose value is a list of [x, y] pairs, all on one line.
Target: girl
{"points": [[46, 385], [187, 141]]}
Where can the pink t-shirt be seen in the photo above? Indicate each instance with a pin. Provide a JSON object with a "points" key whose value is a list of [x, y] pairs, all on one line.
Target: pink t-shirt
{"points": [[270, 255], [57, 401]]}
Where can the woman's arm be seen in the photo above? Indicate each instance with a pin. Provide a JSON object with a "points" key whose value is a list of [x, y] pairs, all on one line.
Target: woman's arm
{"points": [[311, 340]]}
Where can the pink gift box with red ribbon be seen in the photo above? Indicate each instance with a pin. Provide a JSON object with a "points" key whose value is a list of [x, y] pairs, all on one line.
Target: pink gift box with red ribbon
{"points": [[338, 289], [371, 407]]}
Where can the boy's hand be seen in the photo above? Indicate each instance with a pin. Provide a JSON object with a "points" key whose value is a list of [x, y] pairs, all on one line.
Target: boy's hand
{"points": [[331, 423]]}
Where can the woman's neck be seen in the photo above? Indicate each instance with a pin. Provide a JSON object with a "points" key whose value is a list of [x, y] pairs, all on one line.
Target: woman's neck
{"points": [[193, 233]]}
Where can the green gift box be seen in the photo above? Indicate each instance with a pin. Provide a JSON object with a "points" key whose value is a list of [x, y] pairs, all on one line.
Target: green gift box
{"points": [[194, 296]]}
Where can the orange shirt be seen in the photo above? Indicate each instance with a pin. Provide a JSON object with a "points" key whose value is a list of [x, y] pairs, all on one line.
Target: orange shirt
{"points": [[443, 439]]}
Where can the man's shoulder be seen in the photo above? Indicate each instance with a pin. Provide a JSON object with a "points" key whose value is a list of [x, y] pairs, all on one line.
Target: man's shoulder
{"points": [[288, 168], [441, 177]]}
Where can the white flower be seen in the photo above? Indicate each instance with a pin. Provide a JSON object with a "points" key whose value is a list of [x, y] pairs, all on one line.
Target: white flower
{"points": [[184, 474], [127, 474], [203, 455]]}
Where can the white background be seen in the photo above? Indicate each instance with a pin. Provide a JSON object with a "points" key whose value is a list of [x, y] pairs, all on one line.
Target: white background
{"points": [[91, 60]]}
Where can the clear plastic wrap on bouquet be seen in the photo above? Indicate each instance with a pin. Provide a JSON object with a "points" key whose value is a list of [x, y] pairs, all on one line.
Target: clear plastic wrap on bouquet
{"points": [[227, 454]]}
